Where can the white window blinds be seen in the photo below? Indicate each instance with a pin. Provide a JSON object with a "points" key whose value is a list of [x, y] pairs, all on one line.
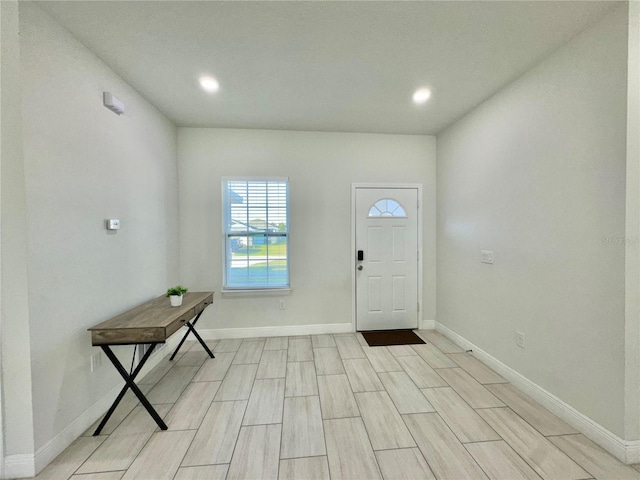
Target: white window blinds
{"points": [[256, 230]]}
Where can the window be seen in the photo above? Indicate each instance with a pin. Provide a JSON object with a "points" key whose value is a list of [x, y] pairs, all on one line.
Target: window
{"points": [[256, 233], [387, 207]]}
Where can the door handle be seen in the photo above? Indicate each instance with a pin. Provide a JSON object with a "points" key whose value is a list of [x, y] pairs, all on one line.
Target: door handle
{"points": [[359, 267]]}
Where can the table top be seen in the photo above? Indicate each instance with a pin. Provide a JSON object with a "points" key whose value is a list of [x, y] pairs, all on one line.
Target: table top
{"points": [[151, 320]]}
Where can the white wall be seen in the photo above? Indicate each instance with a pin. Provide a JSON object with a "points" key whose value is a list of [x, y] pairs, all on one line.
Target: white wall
{"points": [[632, 252], [16, 360], [537, 174], [83, 164], [321, 168]]}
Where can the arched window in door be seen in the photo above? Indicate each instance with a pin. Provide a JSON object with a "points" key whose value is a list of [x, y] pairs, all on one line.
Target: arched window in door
{"points": [[387, 207]]}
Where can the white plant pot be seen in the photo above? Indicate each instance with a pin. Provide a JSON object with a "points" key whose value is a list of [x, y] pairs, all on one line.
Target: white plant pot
{"points": [[176, 300]]}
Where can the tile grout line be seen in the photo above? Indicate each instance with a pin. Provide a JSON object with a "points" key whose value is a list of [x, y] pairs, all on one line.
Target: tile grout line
{"points": [[181, 396], [85, 460], [549, 442], [532, 467], [443, 421], [244, 413], [476, 461], [120, 423], [450, 430]]}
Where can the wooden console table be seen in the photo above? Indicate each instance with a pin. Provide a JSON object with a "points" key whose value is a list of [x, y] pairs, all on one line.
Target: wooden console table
{"points": [[151, 323]]}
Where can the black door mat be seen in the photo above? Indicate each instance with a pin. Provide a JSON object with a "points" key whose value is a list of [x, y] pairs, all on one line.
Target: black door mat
{"points": [[383, 338]]}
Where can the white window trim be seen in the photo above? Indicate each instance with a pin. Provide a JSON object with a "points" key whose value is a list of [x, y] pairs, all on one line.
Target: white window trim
{"points": [[248, 291], [258, 292]]}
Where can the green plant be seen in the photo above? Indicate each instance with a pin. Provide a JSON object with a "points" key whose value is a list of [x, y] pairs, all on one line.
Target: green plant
{"points": [[177, 290]]}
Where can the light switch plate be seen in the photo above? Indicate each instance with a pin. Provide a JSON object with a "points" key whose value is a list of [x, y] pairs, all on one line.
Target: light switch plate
{"points": [[486, 256], [113, 224]]}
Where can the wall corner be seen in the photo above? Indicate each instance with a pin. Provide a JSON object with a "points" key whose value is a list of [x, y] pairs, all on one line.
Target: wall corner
{"points": [[15, 357], [632, 243]]}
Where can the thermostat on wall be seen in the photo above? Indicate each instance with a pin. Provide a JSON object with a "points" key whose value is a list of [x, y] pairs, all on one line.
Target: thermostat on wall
{"points": [[113, 224]]}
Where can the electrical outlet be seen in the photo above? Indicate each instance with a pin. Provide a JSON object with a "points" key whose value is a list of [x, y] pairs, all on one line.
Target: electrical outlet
{"points": [[520, 339], [282, 305], [96, 361], [486, 256]]}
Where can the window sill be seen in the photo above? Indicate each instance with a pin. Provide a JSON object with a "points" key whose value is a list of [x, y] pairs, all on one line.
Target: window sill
{"points": [[257, 292]]}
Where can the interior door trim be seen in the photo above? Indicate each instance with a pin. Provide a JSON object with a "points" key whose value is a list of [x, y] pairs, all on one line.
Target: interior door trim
{"points": [[352, 257]]}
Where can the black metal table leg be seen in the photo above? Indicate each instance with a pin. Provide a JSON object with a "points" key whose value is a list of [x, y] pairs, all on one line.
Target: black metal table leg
{"points": [[120, 396], [129, 380], [190, 326], [204, 345]]}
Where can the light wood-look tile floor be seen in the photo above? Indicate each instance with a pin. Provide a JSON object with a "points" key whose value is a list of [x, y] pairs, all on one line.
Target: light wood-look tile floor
{"points": [[329, 406]]}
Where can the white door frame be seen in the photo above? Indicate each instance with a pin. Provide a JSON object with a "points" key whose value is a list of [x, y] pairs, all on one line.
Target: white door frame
{"points": [[354, 187]]}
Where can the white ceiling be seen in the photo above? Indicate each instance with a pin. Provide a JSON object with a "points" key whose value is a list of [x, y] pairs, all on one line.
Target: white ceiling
{"points": [[325, 66]]}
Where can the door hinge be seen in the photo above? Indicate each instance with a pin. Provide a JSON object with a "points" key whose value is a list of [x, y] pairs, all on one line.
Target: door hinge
{"points": [[418, 306]]}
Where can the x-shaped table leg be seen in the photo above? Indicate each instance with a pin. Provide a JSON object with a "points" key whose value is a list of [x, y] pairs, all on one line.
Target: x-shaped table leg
{"points": [[191, 329], [129, 384]]}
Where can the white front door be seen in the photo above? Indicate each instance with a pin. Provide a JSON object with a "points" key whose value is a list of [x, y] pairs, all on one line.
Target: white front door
{"points": [[386, 231]]}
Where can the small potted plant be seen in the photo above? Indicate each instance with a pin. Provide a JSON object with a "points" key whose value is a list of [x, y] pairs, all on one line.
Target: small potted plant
{"points": [[175, 295]]}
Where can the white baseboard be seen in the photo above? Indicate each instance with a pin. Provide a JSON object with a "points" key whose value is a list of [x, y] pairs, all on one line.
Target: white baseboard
{"points": [[283, 331], [54, 447], [626, 451], [24, 466], [633, 452], [428, 325], [19, 466]]}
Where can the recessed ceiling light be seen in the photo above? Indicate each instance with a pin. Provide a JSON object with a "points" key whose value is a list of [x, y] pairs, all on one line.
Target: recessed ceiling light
{"points": [[209, 84], [421, 95]]}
